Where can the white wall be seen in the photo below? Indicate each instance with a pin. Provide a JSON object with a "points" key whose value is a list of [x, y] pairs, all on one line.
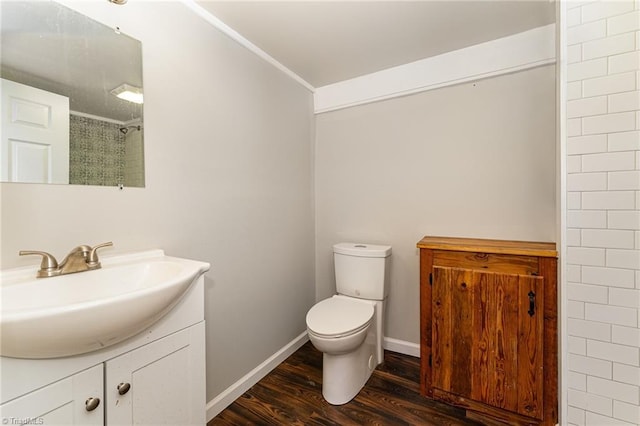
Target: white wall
{"points": [[603, 220], [228, 180], [474, 160]]}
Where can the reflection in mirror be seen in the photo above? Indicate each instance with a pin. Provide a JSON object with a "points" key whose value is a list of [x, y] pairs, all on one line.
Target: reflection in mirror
{"points": [[65, 80]]}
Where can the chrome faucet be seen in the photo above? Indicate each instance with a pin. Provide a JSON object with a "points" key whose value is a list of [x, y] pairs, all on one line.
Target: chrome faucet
{"points": [[81, 258]]}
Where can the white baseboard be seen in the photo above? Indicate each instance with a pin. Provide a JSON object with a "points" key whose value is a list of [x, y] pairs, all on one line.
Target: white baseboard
{"points": [[224, 399], [401, 346]]}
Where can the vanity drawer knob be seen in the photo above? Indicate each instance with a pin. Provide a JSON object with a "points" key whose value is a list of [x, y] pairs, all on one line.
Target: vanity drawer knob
{"points": [[91, 404], [123, 388]]}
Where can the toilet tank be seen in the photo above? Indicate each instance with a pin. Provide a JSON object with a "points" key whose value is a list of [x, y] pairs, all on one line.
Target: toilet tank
{"points": [[362, 270]]}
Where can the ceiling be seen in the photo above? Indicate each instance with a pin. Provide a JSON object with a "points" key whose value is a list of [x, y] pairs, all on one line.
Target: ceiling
{"points": [[324, 42], [51, 47]]}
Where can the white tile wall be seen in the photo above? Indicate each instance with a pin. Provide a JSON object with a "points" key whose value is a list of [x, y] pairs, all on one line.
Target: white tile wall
{"points": [[623, 23], [603, 220], [624, 180], [593, 419], [574, 237], [586, 32], [609, 351], [604, 9], [628, 219], [608, 46], [589, 144], [587, 293], [591, 402], [611, 314], [574, 90], [615, 390], [625, 335], [586, 256], [577, 345], [624, 297], [608, 200], [628, 412], [576, 416], [624, 62], [580, 70], [608, 123], [626, 374], [627, 101], [607, 238], [623, 258], [590, 366], [575, 309], [608, 277], [616, 83], [588, 182], [590, 330], [624, 141], [574, 273], [624, 160], [587, 219], [574, 200], [587, 106], [577, 380]]}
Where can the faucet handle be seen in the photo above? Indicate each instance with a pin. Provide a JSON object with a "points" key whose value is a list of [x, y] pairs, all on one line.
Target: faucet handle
{"points": [[84, 249], [92, 261], [48, 265]]}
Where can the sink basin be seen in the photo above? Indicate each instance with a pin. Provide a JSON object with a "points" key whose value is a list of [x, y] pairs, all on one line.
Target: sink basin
{"points": [[79, 313]]}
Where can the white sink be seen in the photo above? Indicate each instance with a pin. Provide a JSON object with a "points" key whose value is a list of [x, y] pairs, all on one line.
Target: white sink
{"points": [[87, 311]]}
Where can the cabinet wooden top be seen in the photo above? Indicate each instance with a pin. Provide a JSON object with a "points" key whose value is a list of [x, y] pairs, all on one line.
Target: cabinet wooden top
{"points": [[527, 248]]}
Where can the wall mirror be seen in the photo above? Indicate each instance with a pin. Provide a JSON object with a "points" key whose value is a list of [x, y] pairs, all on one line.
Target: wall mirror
{"points": [[62, 118]]}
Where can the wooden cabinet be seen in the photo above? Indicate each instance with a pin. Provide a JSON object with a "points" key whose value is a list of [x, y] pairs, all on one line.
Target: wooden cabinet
{"points": [[489, 327]]}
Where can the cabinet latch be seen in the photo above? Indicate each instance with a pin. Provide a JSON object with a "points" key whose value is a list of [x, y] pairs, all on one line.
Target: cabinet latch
{"points": [[430, 278], [430, 361], [532, 303]]}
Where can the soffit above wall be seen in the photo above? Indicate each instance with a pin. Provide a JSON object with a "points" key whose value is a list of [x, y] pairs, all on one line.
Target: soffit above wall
{"points": [[325, 42]]}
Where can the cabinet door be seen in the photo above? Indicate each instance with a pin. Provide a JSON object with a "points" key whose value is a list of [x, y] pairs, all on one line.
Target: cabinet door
{"points": [[165, 381], [65, 402], [487, 338]]}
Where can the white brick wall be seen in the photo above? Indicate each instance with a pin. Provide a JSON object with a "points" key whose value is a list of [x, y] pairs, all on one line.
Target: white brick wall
{"points": [[603, 217]]}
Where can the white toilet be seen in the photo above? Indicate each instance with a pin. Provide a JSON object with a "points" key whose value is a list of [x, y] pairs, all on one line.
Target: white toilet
{"points": [[348, 327]]}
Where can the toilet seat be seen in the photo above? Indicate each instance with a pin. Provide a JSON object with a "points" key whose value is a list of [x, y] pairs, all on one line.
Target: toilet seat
{"points": [[339, 317]]}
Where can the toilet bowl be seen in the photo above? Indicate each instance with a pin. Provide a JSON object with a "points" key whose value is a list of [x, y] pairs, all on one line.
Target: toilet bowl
{"points": [[347, 327], [344, 329]]}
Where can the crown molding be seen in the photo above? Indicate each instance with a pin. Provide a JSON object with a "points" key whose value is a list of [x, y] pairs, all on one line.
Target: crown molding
{"points": [[505, 55]]}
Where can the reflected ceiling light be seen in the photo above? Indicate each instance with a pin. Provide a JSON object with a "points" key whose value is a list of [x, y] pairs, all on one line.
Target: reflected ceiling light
{"points": [[128, 93]]}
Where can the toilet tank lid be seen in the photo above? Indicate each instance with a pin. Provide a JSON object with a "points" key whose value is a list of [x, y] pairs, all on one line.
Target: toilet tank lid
{"points": [[362, 250]]}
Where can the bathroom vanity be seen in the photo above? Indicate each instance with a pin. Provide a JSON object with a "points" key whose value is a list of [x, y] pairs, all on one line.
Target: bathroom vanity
{"points": [[155, 377], [488, 328]]}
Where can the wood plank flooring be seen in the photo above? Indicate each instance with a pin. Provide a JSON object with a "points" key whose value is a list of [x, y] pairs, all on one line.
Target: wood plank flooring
{"points": [[292, 395]]}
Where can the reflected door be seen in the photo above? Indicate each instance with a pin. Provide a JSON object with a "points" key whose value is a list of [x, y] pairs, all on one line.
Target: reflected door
{"points": [[34, 135]]}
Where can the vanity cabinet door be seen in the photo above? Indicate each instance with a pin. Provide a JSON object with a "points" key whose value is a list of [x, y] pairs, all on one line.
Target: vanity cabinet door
{"points": [[162, 383], [76, 400]]}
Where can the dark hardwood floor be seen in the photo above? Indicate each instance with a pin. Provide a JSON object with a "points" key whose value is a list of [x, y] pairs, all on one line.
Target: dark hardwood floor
{"points": [[292, 395]]}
